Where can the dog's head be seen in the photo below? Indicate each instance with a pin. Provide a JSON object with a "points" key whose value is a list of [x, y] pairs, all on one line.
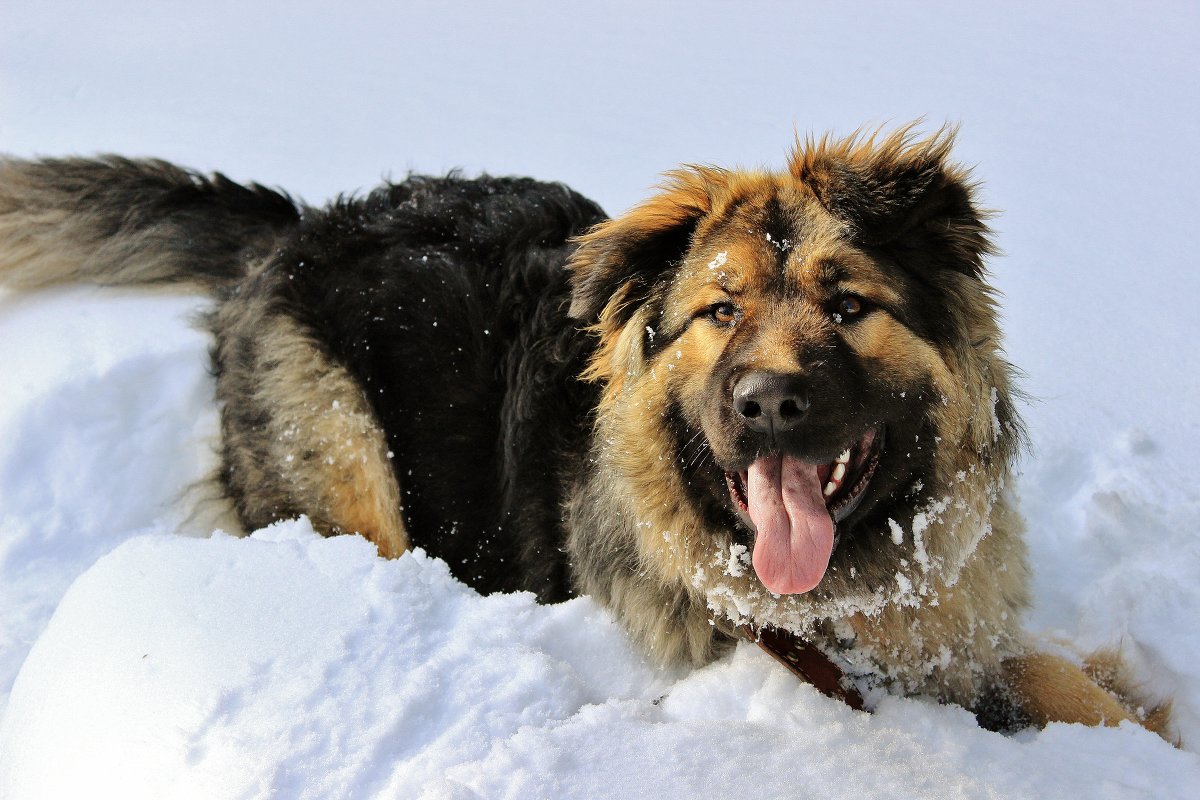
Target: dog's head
{"points": [[818, 347]]}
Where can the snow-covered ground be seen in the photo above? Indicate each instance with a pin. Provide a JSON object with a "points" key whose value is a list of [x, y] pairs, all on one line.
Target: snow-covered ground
{"points": [[141, 655]]}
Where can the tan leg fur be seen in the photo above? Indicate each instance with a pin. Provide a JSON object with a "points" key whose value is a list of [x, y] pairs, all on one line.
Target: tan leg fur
{"points": [[1052, 689], [300, 436]]}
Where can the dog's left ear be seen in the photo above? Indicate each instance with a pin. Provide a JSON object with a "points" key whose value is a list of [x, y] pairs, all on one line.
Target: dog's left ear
{"points": [[618, 262], [901, 194]]}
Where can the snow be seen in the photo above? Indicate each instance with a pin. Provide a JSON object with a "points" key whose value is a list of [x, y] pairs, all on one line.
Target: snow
{"points": [[295, 666], [144, 655]]}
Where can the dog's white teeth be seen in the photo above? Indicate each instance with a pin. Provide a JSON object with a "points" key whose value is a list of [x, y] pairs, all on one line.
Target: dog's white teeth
{"points": [[844, 458], [830, 488], [839, 472]]}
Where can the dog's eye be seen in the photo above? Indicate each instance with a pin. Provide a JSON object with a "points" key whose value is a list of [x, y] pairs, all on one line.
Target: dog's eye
{"points": [[849, 307], [723, 313]]}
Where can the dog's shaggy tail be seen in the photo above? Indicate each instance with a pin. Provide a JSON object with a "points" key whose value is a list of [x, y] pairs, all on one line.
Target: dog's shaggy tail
{"points": [[113, 220]]}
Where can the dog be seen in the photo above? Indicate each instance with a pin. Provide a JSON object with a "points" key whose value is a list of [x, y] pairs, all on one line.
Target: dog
{"points": [[759, 404]]}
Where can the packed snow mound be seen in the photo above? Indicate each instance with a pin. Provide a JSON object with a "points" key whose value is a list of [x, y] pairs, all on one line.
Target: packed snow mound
{"points": [[290, 665], [309, 666], [107, 430]]}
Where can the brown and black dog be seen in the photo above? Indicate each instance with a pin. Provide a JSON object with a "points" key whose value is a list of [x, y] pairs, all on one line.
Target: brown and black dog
{"points": [[759, 401]]}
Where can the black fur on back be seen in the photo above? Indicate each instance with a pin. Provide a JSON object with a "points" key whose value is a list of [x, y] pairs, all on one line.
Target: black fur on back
{"points": [[453, 320]]}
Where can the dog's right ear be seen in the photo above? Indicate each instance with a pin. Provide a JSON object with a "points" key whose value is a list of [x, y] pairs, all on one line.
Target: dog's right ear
{"points": [[617, 263]]}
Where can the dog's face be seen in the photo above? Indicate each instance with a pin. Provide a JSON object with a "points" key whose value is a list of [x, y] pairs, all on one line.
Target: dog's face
{"points": [[800, 364], [810, 350]]}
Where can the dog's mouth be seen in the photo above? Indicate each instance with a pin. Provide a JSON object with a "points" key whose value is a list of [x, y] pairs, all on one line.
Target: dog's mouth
{"points": [[794, 507]]}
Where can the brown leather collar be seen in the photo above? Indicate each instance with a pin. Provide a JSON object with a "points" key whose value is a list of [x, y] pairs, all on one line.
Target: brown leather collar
{"points": [[806, 662]]}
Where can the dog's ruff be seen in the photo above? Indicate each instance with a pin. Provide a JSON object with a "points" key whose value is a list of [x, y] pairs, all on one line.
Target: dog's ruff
{"points": [[761, 399]]}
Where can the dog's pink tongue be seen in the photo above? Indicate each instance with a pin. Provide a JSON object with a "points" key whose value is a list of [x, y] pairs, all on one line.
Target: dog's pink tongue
{"points": [[794, 537]]}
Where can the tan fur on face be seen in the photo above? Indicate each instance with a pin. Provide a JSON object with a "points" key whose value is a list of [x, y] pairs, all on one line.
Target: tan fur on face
{"points": [[920, 614]]}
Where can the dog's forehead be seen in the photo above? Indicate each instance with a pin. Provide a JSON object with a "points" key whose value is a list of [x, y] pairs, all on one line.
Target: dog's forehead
{"points": [[776, 237]]}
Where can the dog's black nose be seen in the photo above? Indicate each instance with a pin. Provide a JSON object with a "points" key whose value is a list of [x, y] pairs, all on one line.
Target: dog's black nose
{"points": [[770, 402]]}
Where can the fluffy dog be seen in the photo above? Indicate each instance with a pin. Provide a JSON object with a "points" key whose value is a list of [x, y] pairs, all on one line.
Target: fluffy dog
{"points": [[756, 403]]}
